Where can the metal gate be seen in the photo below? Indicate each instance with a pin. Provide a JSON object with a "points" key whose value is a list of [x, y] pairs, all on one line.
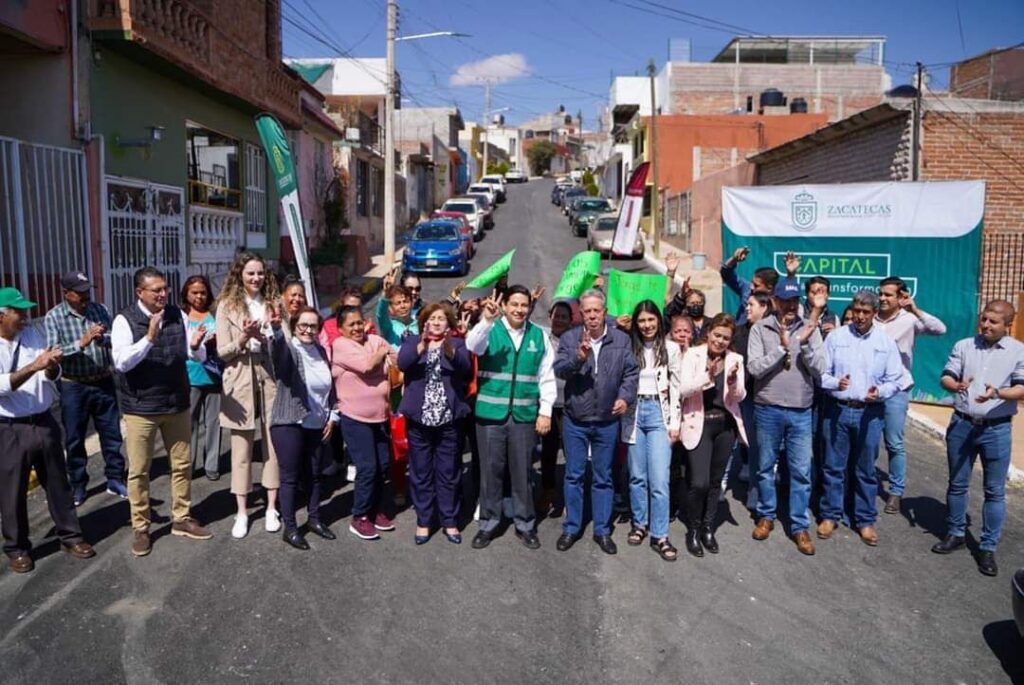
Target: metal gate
{"points": [[145, 227], [44, 209]]}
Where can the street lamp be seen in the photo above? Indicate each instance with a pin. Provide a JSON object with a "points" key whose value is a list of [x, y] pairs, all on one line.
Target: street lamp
{"points": [[389, 132]]}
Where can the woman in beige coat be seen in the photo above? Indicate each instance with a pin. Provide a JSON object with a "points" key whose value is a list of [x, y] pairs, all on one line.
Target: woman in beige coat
{"points": [[247, 307]]}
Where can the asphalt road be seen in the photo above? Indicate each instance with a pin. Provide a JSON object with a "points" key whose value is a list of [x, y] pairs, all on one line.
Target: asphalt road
{"points": [[255, 610]]}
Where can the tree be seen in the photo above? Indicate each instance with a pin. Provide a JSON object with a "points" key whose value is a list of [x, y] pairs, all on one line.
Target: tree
{"points": [[540, 155], [497, 168]]}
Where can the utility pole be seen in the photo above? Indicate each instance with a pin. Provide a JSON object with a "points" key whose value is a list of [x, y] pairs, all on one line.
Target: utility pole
{"points": [[915, 157], [653, 156], [487, 122], [389, 138]]}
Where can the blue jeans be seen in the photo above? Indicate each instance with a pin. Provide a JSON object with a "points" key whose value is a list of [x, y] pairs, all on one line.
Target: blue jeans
{"points": [[856, 434], [964, 443], [369, 446], [895, 421], [649, 460], [80, 402], [790, 429], [600, 438]]}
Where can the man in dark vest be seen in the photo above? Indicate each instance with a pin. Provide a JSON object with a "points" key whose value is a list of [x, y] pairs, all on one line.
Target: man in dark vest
{"points": [[149, 344], [516, 391]]}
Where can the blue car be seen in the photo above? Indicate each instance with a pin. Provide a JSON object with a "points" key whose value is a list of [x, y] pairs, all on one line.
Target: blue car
{"points": [[436, 246]]}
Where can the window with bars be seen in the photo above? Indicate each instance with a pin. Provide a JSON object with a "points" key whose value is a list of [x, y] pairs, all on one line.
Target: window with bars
{"points": [[255, 197]]}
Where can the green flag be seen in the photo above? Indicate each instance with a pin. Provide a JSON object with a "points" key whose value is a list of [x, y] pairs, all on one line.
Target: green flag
{"points": [[578, 275], [626, 290], [491, 274]]}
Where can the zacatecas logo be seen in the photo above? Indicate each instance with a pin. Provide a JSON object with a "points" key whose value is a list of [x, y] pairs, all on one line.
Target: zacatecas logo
{"points": [[805, 211]]}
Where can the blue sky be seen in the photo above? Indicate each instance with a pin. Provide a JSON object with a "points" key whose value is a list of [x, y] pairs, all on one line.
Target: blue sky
{"points": [[570, 49]]}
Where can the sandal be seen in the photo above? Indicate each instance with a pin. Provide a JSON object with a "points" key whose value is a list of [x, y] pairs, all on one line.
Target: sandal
{"points": [[636, 535], [664, 549]]}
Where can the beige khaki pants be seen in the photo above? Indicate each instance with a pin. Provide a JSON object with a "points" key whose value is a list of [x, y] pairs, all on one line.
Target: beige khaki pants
{"points": [[176, 432], [241, 461]]}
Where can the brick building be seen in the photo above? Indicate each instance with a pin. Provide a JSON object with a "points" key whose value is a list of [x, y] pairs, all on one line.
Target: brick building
{"points": [[992, 75], [961, 139]]}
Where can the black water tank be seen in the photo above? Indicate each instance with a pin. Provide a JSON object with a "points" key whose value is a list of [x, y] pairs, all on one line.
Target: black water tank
{"points": [[772, 97], [798, 106]]}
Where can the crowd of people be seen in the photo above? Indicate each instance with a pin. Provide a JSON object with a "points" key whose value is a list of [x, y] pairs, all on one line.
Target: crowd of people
{"points": [[667, 406]]}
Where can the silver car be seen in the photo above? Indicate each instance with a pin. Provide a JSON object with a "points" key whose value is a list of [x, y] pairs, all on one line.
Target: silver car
{"points": [[601, 232]]}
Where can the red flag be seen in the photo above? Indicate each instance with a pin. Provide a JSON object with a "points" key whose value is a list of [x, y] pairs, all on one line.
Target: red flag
{"points": [[630, 212]]}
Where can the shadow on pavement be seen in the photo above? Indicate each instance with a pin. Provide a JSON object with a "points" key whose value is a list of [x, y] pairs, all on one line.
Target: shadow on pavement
{"points": [[1008, 646]]}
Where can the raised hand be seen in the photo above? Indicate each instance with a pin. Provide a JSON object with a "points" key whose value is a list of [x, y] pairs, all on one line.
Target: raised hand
{"points": [[792, 261], [91, 334], [625, 322], [274, 317], [671, 263], [250, 329], [805, 333], [584, 349], [48, 359], [740, 254], [537, 291], [463, 324], [197, 337], [456, 292], [784, 336], [491, 307], [907, 302], [734, 373], [154, 326]]}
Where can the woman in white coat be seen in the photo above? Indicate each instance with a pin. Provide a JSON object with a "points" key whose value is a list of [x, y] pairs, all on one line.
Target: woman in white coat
{"points": [[650, 427], [712, 388]]}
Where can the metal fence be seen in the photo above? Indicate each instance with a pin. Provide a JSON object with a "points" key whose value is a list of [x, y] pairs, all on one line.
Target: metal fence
{"points": [[1002, 266], [677, 221], [44, 210]]}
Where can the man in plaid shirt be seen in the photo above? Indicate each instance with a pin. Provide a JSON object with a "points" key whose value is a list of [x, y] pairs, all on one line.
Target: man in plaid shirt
{"points": [[81, 328]]}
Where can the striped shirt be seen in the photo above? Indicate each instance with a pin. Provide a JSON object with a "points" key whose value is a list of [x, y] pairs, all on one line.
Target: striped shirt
{"points": [[64, 326]]}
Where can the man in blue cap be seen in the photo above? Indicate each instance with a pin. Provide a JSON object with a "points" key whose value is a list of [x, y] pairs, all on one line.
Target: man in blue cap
{"points": [[30, 436], [785, 357]]}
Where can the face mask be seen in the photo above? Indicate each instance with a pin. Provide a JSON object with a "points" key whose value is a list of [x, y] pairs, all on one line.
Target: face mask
{"points": [[695, 310]]}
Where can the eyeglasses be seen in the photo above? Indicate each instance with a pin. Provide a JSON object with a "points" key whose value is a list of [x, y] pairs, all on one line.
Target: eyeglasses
{"points": [[155, 291], [313, 327]]}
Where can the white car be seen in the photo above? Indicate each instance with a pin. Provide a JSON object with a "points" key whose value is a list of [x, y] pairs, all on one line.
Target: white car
{"points": [[471, 209], [601, 232], [516, 176], [497, 181], [484, 189]]}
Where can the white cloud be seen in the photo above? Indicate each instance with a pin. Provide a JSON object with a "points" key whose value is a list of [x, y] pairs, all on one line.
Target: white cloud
{"points": [[496, 69]]}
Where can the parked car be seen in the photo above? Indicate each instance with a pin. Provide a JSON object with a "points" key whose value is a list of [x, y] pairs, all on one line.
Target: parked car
{"points": [[516, 176], [484, 189], [601, 232], [569, 194], [557, 192], [485, 207], [436, 246], [498, 183], [465, 229], [585, 210], [471, 210]]}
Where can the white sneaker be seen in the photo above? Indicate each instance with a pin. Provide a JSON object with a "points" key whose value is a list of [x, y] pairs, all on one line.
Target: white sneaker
{"points": [[241, 527], [272, 521]]}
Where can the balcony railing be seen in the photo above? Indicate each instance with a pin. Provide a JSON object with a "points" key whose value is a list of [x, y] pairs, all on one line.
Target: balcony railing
{"points": [[214, 234]]}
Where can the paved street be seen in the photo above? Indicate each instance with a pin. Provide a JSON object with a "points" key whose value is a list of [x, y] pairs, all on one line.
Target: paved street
{"points": [[349, 611]]}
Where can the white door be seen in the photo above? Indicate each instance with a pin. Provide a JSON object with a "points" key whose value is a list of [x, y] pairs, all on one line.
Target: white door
{"points": [[145, 227]]}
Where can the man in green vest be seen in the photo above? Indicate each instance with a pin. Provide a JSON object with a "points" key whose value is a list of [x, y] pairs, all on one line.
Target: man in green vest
{"points": [[516, 391]]}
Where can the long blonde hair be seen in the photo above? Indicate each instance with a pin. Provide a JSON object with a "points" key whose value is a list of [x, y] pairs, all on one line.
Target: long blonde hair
{"points": [[232, 295]]}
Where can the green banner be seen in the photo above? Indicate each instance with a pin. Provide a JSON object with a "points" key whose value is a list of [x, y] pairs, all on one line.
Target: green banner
{"points": [[626, 291], [578, 275], [491, 274], [856, 234], [278, 153]]}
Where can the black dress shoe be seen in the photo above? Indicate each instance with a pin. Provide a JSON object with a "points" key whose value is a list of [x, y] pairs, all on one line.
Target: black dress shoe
{"points": [[949, 544], [318, 528], [454, 538], [987, 563], [481, 540], [529, 539], [606, 544], [295, 539], [693, 545], [565, 541], [707, 539]]}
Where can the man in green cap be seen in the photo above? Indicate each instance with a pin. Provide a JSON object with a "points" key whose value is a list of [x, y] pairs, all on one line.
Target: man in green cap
{"points": [[30, 436]]}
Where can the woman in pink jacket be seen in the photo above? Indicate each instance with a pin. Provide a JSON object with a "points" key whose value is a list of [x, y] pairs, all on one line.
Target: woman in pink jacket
{"points": [[712, 388]]}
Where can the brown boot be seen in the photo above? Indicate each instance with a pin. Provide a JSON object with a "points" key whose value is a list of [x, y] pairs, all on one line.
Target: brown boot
{"points": [[825, 528], [142, 544], [188, 527], [803, 543], [869, 536], [892, 505], [21, 562], [763, 529]]}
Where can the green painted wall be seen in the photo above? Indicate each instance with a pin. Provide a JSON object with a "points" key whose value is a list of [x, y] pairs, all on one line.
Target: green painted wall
{"points": [[127, 97]]}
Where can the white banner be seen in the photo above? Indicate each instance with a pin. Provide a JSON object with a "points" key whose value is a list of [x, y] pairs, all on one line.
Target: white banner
{"points": [[630, 211], [897, 210], [293, 217]]}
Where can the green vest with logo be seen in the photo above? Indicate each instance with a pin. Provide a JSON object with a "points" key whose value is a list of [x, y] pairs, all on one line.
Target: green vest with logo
{"points": [[508, 380]]}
